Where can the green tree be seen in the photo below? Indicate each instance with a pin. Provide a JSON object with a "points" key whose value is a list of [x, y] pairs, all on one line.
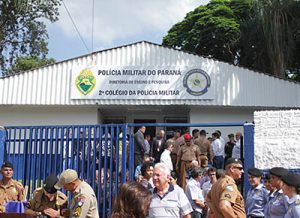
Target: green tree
{"points": [[28, 63], [279, 20], [22, 30], [212, 30], [262, 35]]}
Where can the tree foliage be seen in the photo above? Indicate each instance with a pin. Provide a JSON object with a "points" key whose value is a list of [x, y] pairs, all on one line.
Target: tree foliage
{"points": [[279, 20], [28, 63], [22, 29], [258, 34]]}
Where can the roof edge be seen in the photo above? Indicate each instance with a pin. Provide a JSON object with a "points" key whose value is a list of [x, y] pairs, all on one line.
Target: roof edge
{"points": [[152, 43]]}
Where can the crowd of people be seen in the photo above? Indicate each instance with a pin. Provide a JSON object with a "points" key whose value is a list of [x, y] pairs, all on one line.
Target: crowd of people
{"points": [[48, 201], [183, 176], [195, 176], [274, 195]]}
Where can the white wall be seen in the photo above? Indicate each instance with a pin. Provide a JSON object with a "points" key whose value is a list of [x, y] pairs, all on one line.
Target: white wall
{"points": [[24, 116], [277, 139], [221, 115]]}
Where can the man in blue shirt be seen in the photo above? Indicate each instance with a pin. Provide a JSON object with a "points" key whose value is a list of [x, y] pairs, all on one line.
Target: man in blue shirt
{"points": [[194, 193]]}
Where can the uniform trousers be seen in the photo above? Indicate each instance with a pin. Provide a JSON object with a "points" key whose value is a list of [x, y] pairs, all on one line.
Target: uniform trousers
{"points": [[185, 166], [204, 160]]}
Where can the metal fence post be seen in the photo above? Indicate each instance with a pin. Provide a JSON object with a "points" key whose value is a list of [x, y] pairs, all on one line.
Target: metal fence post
{"points": [[248, 152], [2, 144]]}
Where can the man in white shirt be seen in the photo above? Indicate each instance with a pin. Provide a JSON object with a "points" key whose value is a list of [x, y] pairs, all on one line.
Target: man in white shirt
{"points": [[166, 156], [236, 151], [221, 138], [168, 201], [218, 151]]}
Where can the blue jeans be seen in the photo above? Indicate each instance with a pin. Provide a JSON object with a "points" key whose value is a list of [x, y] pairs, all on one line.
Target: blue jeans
{"points": [[196, 214], [219, 162]]}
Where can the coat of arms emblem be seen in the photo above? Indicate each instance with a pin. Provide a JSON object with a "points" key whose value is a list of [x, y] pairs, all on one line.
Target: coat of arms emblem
{"points": [[85, 81]]}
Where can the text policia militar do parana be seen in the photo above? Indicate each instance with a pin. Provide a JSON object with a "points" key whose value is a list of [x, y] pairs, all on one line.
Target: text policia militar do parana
{"points": [[162, 72]]}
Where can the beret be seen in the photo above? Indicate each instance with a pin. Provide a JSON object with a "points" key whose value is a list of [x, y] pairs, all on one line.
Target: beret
{"points": [[187, 137], [292, 179], [233, 161], [49, 183], [7, 164], [278, 171], [255, 172]]}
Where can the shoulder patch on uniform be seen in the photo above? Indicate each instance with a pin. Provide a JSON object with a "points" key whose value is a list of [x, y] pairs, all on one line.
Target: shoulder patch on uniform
{"points": [[28, 205], [61, 198], [229, 188], [80, 201], [77, 211], [227, 196], [14, 190]]}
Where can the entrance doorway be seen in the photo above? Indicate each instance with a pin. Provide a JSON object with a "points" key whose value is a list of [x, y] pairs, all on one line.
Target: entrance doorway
{"points": [[151, 130], [171, 129]]}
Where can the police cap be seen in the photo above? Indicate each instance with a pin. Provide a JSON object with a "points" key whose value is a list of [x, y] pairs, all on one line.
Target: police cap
{"points": [[49, 183], [7, 164], [66, 177], [255, 172], [292, 179], [233, 161], [278, 171]]}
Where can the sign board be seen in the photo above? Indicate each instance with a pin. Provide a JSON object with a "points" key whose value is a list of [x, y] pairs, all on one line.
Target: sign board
{"points": [[141, 83]]}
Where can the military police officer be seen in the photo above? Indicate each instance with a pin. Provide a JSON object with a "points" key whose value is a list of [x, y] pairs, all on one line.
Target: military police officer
{"points": [[10, 190], [47, 201], [291, 188], [257, 196], [277, 206], [84, 202], [224, 198]]}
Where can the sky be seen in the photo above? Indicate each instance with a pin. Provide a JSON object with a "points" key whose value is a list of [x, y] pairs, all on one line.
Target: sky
{"points": [[116, 23]]}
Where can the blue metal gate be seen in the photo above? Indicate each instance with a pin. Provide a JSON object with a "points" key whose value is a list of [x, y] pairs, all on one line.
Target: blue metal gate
{"points": [[96, 152], [103, 155]]}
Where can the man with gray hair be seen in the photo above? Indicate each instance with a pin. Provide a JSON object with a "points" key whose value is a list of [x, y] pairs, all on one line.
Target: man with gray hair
{"points": [[168, 200], [194, 193], [84, 202]]}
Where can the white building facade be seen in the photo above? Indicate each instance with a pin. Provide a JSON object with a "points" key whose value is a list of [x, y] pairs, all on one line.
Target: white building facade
{"points": [[141, 82]]}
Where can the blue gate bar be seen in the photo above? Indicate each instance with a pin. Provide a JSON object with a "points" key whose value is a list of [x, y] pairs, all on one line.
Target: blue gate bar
{"points": [[124, 153], [24, 153], [2, 144], [248, 152]]}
